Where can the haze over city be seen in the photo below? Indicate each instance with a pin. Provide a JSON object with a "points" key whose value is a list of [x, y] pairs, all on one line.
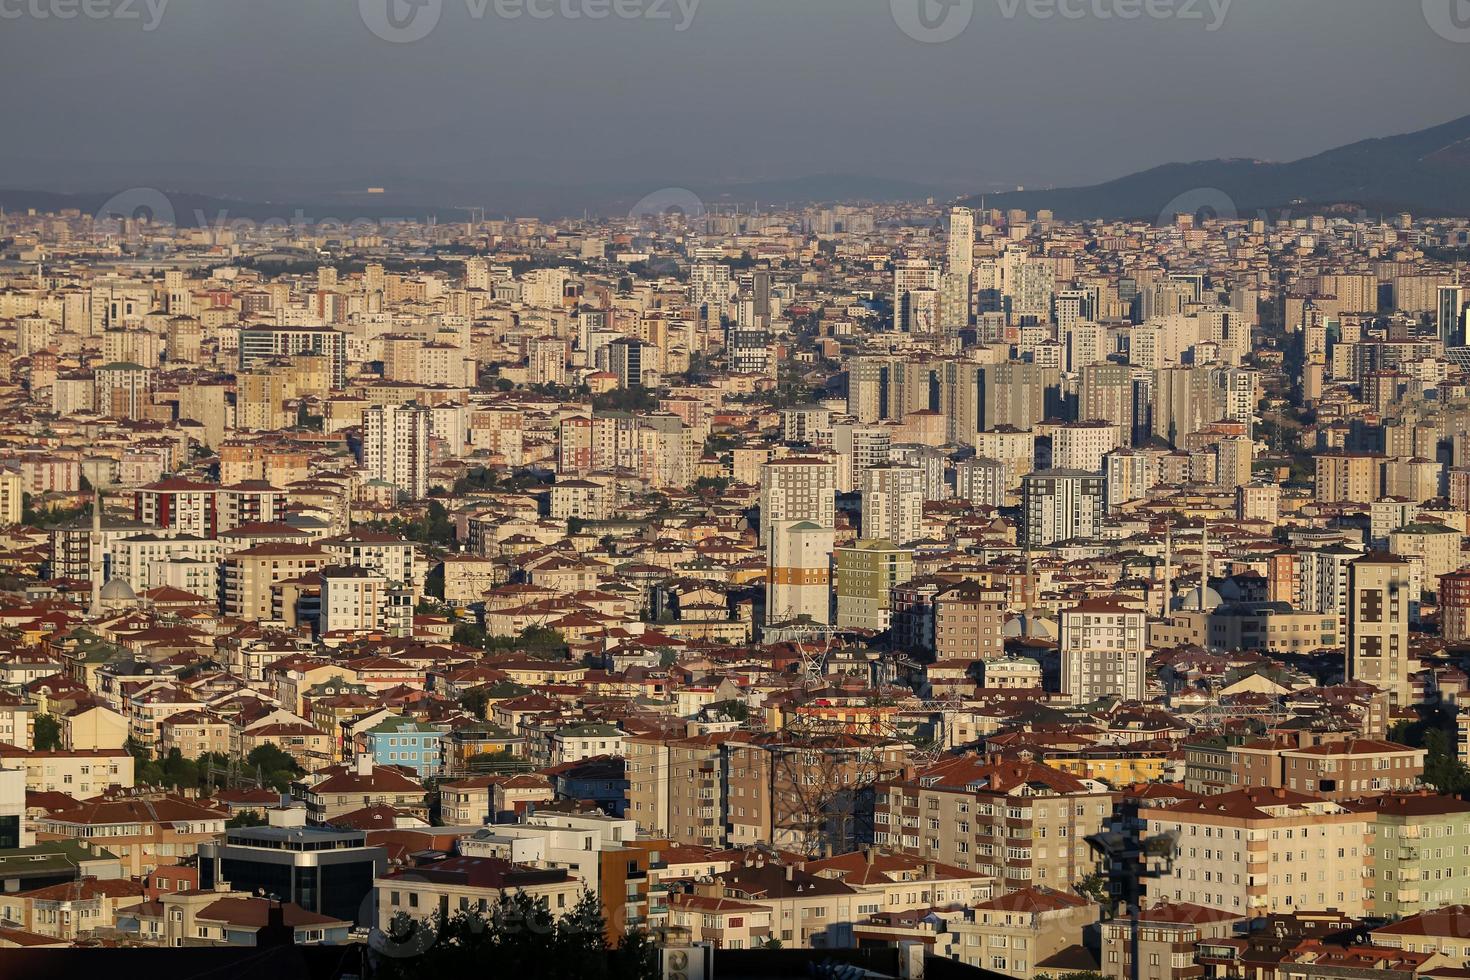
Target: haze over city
{"points": [[277, 99]]}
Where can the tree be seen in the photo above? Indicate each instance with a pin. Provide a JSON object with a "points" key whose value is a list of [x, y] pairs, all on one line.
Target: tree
{"points": [[634, 398], [469, 634], [1093, 886], [246, 818], [535, 641], [520, 938], [51, 515], [1442, 767], [475, 700], [178, 771], [276, 767], [146, 770], [1436, 734], [434, 582], [734, 709], [48, 733]]}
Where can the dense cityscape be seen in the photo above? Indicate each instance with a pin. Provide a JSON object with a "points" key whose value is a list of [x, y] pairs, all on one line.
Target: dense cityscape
{"points": [[856, 578]]}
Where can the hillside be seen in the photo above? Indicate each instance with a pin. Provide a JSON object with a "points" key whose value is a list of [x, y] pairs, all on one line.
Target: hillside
{"points": [[1427, 172]]}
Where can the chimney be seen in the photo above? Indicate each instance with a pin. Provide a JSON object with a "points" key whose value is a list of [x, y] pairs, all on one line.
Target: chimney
{"points": [[364, 764], [790, 872], [868, 854]]}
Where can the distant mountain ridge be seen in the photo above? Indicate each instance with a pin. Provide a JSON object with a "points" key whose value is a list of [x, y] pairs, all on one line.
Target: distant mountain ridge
{"points": [[1425, 172]]}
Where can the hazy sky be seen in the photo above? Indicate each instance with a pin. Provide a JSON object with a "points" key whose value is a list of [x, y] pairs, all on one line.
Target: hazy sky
{"points": [[228, 94]]}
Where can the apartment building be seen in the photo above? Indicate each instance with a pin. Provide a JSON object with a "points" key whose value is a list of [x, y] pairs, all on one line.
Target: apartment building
{"points": [[1340, 770], [968, 621], [1258, 850], [469, 885], [336, 790], [807, 911], [79, 773], [1011, 934], [801, 793], [1419, 843], [250, 579], [1167, 936], [143, 831], [677, 786], [1104, 651], [1022, 823]]}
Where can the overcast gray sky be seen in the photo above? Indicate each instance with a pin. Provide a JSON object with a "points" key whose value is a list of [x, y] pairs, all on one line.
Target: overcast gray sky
{"points": [[247, 95]]}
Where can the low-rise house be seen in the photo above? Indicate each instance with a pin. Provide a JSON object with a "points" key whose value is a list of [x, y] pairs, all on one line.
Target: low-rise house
{"points": [[1167, 941], [225, 918], [144, 831], [404, 742], [340, 789], [725, 923], [79, 773], [70, 910], [1011, 934]]}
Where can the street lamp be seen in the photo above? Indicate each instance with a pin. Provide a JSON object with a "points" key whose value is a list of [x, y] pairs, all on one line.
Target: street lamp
{"points": [[1130, 860]]}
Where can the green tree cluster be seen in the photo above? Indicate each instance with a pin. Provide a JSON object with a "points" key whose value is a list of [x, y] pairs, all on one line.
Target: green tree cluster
{"points": [[47, 734], [1436, 734], [519, 938], [174, 771]]}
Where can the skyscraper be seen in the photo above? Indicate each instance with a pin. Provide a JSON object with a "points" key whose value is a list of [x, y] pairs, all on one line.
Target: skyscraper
{"points": [[915, 296], [1104, 651], [1059, 505], [799, 581], [797, 489], [1379, 608], [893, 503], [798, 522], [395, 446], [961, 251], [1452, 313]]}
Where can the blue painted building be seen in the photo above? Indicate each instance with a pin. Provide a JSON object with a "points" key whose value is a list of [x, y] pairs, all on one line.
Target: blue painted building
{"points": [[404, 742]]}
